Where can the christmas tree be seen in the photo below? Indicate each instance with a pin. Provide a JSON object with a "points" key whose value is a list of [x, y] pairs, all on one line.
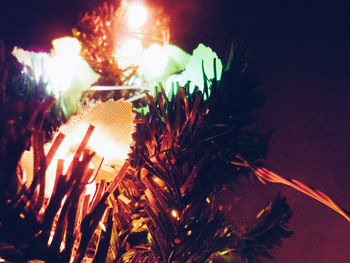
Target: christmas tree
{"points": [[160, 201]]}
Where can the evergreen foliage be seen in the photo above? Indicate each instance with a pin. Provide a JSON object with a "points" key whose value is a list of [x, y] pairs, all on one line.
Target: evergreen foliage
{"points": [[164, 208]]}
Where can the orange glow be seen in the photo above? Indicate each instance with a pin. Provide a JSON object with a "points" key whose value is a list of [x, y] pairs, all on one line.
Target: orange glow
{"points": [[110, 140], [143, 45]]}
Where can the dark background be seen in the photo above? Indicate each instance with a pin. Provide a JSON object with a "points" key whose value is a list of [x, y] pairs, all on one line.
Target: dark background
{"points": [[301, 52]]}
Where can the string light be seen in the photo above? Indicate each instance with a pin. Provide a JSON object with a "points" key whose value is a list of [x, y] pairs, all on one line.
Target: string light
{"points": [[154, 61], [130, 47], [136, 16], [129, 53], [62, 66]]}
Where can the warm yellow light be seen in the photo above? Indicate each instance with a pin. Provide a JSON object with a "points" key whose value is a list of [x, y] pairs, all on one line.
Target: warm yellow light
{"points": [[175, 214], [137, 15], [62, 246], [66, 46], [52, 233], [111, 139], [156, 179], [103, 227], [154, 61]]}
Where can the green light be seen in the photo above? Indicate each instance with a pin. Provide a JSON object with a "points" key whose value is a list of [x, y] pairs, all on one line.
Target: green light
{"points": [[202, 59]]}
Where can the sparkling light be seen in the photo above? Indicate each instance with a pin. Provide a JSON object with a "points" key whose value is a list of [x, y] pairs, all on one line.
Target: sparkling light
{"points": [[137, 15], [63, 70], [154, 61], [64, 65], [110, 140], [66, 46], [103, 227], [59, 74], [129, 53], [130, 47], [175, 214], [62, 246]]}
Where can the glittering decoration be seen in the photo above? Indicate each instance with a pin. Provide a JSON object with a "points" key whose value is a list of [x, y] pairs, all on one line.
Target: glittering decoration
{"points": [[113, 39], [264, 174], [110, 140]]}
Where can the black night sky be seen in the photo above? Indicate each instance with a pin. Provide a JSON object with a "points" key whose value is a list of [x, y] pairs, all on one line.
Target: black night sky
{"points": [[301, 53]]}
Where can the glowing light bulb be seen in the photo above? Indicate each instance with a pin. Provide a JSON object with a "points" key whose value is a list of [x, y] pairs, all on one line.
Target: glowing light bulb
{"points": [[130, 47], [66, 46], [59, 74], [136, 16], [61, 67], [129, 53], [154, 61]]}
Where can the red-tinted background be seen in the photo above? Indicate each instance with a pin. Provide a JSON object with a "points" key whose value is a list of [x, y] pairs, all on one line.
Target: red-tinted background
{"points": [[301, 52]]}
